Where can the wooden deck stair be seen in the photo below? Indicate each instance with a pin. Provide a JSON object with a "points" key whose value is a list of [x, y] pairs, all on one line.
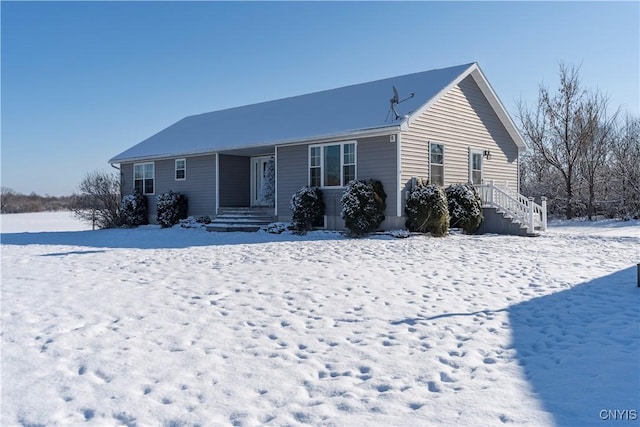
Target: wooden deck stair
{"points": [[507, 212]]}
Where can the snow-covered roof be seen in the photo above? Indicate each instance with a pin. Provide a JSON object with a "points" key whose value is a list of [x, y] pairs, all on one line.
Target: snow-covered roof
{"points": [[345, 111]]}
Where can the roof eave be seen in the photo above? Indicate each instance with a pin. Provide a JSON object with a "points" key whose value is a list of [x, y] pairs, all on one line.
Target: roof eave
{"points": [[357, 133]]}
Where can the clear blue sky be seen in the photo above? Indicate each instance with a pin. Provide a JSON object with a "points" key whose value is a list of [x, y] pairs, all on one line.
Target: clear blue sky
{"points": [[83, 81]]}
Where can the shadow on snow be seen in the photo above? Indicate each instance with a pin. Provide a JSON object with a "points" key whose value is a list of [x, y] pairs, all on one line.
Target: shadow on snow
{"points": [[157, 238], [580, 349]]}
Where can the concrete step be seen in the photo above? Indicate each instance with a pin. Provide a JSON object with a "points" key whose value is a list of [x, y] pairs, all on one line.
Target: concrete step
{"points": [[260, 211], [242, 219], [222, 227]]}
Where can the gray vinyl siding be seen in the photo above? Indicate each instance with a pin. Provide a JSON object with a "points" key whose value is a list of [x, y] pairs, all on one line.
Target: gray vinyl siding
{"points": [[292, 171], [235, 181], [126, 179], [376, 158], [461, 120], [199, 185]]}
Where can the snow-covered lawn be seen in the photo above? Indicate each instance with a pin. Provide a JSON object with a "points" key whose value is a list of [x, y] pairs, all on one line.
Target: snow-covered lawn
{"points": [[180, 327]]}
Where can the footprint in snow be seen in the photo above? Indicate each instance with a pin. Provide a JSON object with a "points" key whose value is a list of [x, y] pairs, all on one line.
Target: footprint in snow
{"points": [[383, 388], [125, 419], [445, 378], [88, 414], [433, 387]]}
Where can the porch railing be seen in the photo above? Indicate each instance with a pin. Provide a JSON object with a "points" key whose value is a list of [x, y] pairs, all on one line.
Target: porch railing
{"points": [[519, 207]]}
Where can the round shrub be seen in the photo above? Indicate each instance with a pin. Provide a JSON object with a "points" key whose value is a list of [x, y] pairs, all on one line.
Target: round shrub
{"points": [[308, 209], [363, 204], [172, 207], [427, 210], [465, 207], [133, 210]]}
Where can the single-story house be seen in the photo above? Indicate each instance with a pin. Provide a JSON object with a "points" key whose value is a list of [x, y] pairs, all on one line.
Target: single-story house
{"points": [[444, 125]]}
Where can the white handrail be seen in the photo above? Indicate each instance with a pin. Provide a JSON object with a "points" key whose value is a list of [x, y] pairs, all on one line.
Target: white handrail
{"points": [[519, 207]]}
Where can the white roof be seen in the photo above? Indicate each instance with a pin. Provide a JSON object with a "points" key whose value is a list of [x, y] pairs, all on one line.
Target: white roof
{"points": [[345, 111]]}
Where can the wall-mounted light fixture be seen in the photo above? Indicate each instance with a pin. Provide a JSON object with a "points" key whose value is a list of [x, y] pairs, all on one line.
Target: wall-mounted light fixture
{"points": [[487, 154]]}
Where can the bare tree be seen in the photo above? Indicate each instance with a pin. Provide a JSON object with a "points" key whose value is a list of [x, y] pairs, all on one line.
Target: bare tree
{"points": [[99, 200], [556, 128], [625, 165], [598, 131]]}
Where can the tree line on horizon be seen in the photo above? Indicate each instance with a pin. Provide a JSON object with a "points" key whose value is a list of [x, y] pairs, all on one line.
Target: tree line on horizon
{"points": [[14, 202]]}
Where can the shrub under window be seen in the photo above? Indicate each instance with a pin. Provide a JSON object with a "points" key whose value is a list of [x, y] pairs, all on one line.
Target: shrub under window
{"points": [[133, 210], [363, 205], [172, 207]]}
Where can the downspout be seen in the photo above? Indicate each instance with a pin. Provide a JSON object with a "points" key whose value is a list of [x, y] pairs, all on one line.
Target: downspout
{"points": [[518, 172], [275, 184], [217, 201], [399, 174]]}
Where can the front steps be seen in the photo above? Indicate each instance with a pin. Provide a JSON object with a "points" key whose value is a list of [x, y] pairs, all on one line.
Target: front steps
{"points": [[498, 222], [242, 219]]}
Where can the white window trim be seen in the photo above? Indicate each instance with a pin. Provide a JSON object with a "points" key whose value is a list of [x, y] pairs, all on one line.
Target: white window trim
{"points": [[473, 151], [342, 164], [143, 178], [175, 172], [444, 172]]}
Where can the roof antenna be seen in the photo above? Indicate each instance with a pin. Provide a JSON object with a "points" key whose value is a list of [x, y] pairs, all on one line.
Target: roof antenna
{"points": [[396, 100]]}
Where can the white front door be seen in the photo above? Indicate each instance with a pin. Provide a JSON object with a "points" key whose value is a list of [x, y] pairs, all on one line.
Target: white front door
{"points": [[475, 166], [258, 167]]}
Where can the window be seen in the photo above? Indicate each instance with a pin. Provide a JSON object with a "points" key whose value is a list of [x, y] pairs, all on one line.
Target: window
{"points": [[144, 177], [349, 162], [181, 169], [315, 166], [436, 163], [475, 166], [332, 165]]}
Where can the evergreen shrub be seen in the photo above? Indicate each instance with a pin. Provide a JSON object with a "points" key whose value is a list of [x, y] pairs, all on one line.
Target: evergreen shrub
{"points": [[133, 210], [465, 207], [363, 204], [427, 210], [308, 209], [172, 207]]}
